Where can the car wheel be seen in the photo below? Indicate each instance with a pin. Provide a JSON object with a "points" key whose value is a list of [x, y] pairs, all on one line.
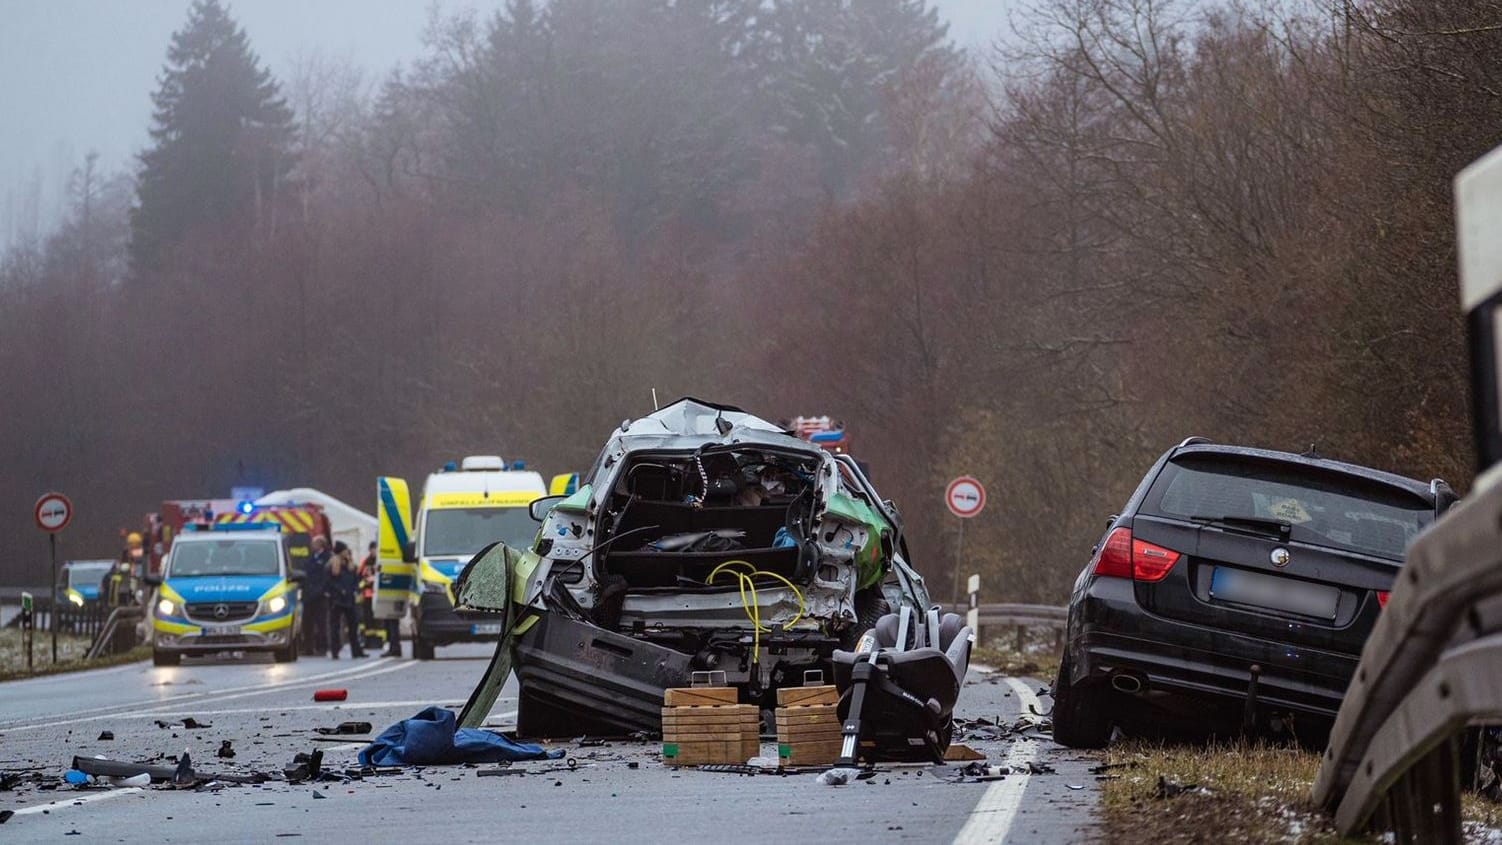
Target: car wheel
{"points": [[870, 605], [1081, 714], [285, 655], [166, 658], [423, 649]]}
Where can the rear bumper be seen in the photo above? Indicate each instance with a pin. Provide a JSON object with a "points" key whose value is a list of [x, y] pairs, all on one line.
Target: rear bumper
{"points": [[436, 622], [1111, 634]]}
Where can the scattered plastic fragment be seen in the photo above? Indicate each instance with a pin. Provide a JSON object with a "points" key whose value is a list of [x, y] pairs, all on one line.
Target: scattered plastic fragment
{"points": [[5, 815], [105, 736], [226, 750], [141, 779], [75, 777], [193, 724], [838, 777], [184, 776], [345, 728], [1169, 789]]}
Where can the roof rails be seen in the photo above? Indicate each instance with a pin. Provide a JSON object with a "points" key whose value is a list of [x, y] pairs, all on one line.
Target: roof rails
{"points": [[1194, 440]]}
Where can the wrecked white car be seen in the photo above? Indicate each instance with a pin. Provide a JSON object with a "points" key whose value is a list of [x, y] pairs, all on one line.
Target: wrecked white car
{"points": [[702, 539]]}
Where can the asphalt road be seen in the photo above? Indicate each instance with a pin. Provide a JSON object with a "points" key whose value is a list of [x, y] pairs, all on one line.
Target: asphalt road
{"points": [[267, 712]]}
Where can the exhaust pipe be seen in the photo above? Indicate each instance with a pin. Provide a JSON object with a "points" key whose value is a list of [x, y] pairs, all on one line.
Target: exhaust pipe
{"points": [[1130, 684]]}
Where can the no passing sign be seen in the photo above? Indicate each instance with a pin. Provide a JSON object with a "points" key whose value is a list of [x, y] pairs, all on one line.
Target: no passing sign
{"points": [[53, 512], [965, 497]]}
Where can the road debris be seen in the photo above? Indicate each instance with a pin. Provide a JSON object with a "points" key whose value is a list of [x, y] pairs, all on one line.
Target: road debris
{"points": [[330, 694], [100, 767], [193, 724], [1169, 789], [106, 736], [345, 728], [226, 750], [305, 766]]}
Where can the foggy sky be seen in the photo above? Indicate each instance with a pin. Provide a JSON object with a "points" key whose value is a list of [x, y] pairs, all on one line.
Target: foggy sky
{"points": [[78, 74]]}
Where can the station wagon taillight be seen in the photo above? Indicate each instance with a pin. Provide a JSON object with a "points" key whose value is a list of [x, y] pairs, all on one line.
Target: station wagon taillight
{"points": [[1121, 556]]}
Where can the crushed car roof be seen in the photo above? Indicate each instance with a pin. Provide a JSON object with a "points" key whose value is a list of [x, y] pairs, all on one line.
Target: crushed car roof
{"points": [[694, 421]]}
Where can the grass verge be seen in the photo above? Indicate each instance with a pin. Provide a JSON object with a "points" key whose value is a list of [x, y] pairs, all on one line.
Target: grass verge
{"points": [[1241, 792], [70, 652]]}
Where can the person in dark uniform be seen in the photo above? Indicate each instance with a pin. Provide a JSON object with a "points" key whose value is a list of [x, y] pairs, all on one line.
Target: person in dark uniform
{"points": [[344, 585], [315, 603]]}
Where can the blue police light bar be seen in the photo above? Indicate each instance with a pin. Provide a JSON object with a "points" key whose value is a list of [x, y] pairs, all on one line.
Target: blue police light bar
{"points": [[826, 437], [246, 507], [518, 466], [450, 467]]}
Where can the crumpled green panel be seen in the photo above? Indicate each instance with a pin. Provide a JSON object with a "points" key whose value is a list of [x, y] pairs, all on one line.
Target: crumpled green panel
{"points": [[870, 566]]}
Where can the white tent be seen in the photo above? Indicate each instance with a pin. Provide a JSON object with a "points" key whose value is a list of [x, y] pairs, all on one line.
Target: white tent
{"points": [[348, 523]]}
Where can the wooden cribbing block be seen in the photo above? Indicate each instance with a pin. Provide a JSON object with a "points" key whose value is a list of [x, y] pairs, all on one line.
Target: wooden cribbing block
{"points": [[806, 696], [703, 725], [699, 696], [808, 733]]}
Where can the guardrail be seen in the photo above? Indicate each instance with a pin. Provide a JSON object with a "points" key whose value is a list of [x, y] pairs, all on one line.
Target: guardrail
{"points": [[1432, 665], [1019, 617]]}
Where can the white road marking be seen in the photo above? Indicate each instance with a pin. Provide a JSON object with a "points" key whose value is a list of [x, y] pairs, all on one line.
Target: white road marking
{"points": [[367, 671], [991, 820], [65, 803], [269, 685]]}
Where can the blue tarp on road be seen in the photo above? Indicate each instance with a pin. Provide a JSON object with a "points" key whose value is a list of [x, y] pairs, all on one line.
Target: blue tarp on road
{"points": [[433, 738]]}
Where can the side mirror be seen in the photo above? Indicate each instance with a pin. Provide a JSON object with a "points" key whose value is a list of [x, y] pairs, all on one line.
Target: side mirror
{"points": [[153, 579], [540, 507], [409, 552]]}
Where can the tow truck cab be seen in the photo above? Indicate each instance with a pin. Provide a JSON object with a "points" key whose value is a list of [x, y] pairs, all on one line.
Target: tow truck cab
{"points": [[462, 510], [226, 587]]}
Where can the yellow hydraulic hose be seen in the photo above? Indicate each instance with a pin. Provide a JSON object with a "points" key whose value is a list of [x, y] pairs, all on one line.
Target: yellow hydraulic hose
{"points": [[746, 580]]}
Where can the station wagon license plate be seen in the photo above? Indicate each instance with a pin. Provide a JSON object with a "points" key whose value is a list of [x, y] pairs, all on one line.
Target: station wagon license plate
{"points": [[484, 628], [1270, 591]]}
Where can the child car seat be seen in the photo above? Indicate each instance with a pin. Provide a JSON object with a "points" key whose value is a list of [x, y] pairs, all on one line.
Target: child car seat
{"points": [[899, 687]]}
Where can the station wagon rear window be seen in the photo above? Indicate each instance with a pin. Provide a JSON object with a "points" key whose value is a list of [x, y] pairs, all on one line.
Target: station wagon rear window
{"points": [[1321, 508]]}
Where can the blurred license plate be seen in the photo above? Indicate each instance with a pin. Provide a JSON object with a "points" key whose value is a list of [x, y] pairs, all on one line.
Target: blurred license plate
{"points": [[1270, 591], [485, 628], [222, 630]]}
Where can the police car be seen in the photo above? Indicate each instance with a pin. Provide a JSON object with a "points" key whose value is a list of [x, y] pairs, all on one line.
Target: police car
{"points": [[226, 587]]}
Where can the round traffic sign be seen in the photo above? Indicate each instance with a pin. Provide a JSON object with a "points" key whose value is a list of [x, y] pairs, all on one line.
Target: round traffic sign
{"points": [[965, 497], [53, 512]]}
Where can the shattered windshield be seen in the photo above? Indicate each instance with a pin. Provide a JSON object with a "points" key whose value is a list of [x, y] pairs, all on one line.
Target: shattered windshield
{"points": [[460, 532], [224, 557]]}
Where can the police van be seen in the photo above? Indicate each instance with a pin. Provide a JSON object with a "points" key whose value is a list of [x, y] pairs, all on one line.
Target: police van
{"points": [[463, 509], [226, 587]]}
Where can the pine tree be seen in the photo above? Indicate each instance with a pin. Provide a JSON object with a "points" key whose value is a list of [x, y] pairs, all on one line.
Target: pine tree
{"points": [[829, 66], [221, 137]]}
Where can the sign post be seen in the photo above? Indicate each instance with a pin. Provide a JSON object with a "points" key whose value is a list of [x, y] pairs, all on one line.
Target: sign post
{"points": [[26, 626], [965, 497], [53, 513], [972, 616]]}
